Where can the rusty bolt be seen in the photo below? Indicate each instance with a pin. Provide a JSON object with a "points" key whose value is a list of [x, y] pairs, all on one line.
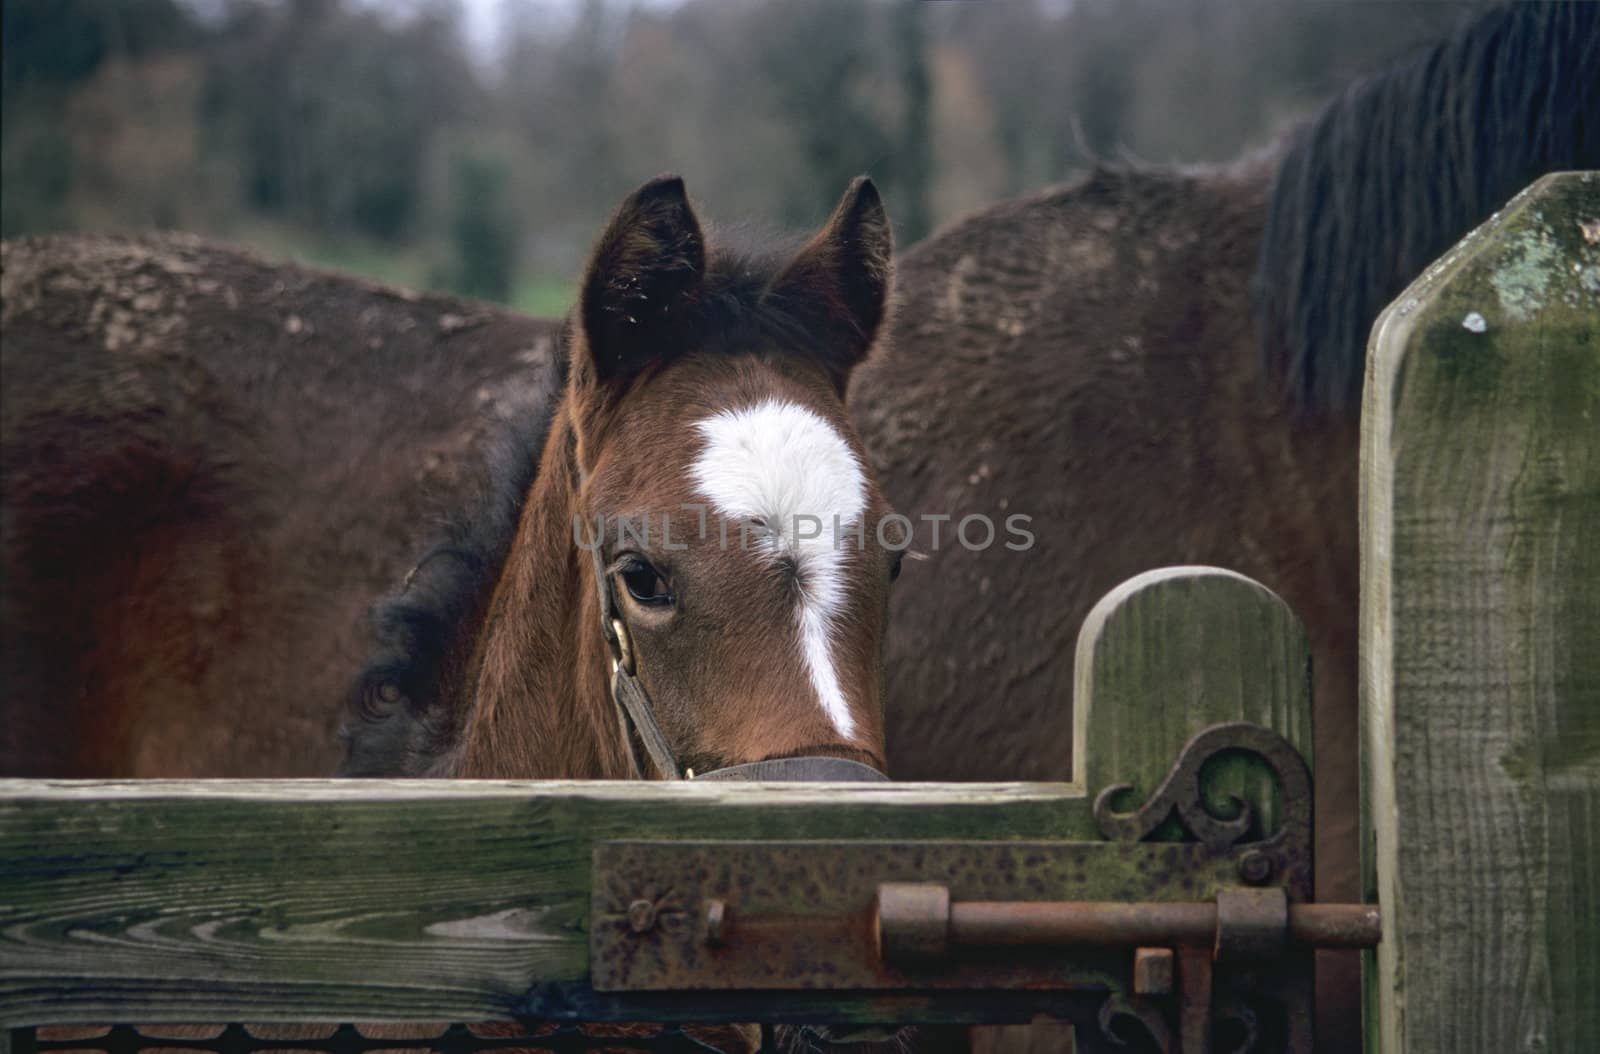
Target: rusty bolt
{"points": [[913, 922], [1252, 924], [1152, 971], [716, 913], [641, 916], [1255, 867]]}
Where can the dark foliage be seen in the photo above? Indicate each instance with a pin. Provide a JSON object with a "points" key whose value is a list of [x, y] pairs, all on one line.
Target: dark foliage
{"points": [[64, 41], [482, 232]]}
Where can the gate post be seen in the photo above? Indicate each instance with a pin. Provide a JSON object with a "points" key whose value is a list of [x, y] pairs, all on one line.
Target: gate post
{"points": [[1480, 637], [1171, 651]]}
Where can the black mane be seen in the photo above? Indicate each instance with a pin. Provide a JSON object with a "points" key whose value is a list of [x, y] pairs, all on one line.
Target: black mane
{"points": [[401, 721], [1405, 162], [733, 312]]}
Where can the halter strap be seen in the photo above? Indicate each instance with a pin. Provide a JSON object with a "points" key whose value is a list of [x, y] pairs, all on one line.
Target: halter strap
{"points": [[821, 768], [633, 703]]}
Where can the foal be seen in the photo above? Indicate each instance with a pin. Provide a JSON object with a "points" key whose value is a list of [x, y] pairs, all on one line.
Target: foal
{"points": [[701, 521]]}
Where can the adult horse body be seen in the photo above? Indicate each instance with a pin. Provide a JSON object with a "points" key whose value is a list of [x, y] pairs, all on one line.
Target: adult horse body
{"points": [[211, 467], [1092, 357]]}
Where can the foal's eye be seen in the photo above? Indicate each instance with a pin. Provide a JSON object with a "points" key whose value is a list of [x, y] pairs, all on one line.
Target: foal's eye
{"points": [[645, 583], [894, 565]]}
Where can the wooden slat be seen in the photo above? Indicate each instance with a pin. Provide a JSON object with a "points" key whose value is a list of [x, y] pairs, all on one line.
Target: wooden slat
{"points": [[1481, 637], [1172, 651], [1161, 657], [377, 900]]}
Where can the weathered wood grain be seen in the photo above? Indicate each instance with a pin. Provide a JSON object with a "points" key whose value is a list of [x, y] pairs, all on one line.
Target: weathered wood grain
{"points": [[1161, 657], [1480, 637], [403, 900], [1168, 653]]}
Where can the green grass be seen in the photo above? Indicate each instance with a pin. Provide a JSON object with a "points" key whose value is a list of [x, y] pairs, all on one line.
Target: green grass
{"points": [[543, 295], [405, 265]]}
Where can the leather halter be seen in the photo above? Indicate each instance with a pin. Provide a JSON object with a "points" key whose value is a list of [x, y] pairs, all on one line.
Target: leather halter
{"points": [[633, 707]]}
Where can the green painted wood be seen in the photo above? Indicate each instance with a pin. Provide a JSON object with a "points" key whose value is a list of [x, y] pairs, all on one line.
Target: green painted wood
{"points": [[1159, 658], [1173, 651], [1480, 664], [378, 900]]}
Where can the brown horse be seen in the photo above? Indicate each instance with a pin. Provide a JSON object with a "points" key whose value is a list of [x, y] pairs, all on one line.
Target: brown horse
{"points": [[700, 434], [1091, 357], [211, 467]]}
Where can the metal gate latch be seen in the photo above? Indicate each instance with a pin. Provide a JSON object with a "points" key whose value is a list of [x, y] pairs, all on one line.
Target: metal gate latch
{"points": [[1184, 923], [918, 923]]}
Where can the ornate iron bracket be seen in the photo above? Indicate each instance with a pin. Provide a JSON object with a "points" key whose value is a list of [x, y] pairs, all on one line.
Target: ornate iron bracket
{"points": [[1181, 793]]}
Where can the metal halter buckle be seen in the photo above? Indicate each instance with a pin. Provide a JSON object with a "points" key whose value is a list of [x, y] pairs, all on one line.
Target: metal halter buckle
{"points": [[623, 656]]}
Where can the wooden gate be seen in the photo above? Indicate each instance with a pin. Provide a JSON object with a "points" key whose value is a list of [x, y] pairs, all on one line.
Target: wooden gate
{"points": [[1161, 900], [437, 900]]}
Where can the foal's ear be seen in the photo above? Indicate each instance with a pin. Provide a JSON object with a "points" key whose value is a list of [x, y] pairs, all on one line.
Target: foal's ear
{"points": [[643, 279], [838, 284]]}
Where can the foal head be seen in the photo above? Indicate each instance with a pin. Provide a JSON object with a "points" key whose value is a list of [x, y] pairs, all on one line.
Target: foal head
{"points": [[721, 480], [701, 517]]}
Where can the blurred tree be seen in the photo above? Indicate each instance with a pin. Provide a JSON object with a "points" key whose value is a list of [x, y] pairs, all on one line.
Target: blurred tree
{"points": [[359, 133], [1106, 38], [331, 108], [556, 90], [820, 60], [48, 48], [62, 42], [1014, 55], [133, 130], [910, 172], [482, 232], [35, 175]]}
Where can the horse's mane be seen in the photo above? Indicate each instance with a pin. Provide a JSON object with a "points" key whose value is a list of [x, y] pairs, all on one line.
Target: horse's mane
{"points": [[398, 724], [1405, 162], [733, 306], [402, 721]]}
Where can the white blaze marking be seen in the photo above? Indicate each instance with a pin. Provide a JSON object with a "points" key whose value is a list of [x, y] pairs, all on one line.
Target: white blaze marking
{"points": [[777, 462]]}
